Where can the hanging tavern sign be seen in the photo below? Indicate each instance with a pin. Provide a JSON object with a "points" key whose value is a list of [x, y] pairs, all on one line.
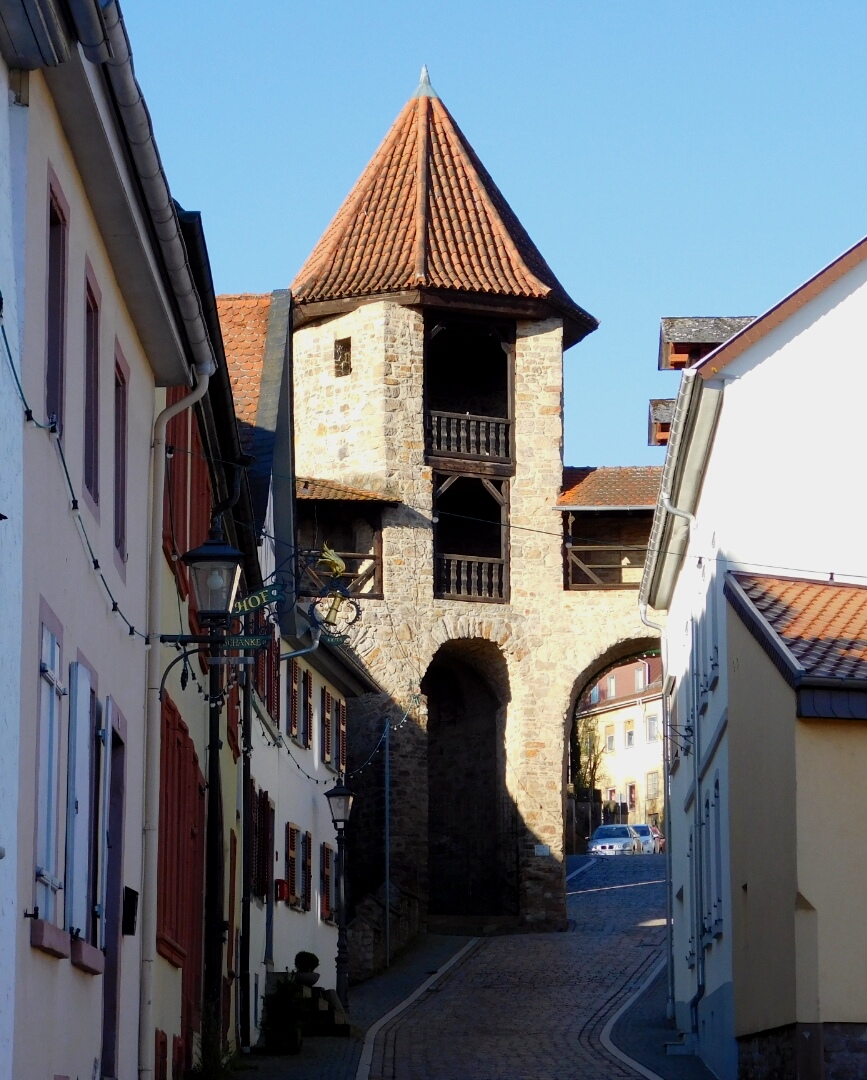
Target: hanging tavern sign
{"points": [[271, 594]]}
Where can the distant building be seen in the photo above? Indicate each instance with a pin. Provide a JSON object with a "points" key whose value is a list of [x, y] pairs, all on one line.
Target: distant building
{"points": [[622, 711]]}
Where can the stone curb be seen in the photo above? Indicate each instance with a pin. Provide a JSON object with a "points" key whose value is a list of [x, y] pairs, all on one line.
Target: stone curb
{"points": [[363, 1071], [605, 1036]]}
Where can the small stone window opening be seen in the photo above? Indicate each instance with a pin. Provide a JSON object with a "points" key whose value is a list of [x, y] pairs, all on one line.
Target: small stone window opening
{"points": [[343, 356]]}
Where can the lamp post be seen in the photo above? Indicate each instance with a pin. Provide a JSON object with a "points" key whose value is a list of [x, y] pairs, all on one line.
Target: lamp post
{"points": [[215, 570], [340, 804]]}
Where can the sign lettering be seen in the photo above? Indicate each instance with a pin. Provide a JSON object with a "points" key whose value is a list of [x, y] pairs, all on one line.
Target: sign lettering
{"points": [[271, 594]]}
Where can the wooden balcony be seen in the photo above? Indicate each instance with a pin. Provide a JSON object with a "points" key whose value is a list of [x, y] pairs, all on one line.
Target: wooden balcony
{"points": [[463, 437], [604, 566], [467, 577], [363, 576]]}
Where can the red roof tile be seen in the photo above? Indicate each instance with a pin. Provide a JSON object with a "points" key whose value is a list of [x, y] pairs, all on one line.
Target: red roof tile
{"points": [[244, 323], [629, 485], [308, 488], [822, 624], [426, 214]]}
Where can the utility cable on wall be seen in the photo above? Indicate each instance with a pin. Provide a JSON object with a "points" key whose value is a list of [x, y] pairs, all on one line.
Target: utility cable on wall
{"points": [[52, 430]]}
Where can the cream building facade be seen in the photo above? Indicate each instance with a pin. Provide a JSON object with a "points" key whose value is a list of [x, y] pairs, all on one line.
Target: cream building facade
{"points": [[624, 711]]}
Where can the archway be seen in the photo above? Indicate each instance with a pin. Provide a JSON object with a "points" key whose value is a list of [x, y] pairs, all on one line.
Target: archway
{"points": [[605, 719], [472, 822]]}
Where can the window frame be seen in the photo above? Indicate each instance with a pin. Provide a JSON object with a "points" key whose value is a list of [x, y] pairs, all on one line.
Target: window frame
{"points": [[121, 456], [47, 868], [56, 288], [90, 424]]}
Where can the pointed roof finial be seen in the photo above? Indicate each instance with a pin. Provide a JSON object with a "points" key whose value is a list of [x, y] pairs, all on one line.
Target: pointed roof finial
{"points": [[424, 87]]}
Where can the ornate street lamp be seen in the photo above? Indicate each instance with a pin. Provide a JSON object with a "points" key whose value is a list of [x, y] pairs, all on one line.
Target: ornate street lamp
{"points": [[340, 804], [215, 570]]}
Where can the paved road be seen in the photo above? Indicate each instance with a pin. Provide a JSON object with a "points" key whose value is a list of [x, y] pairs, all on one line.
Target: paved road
{"points": [[531, 1007]]}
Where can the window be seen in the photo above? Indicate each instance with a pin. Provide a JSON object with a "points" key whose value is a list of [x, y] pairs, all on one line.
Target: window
{"points": [[121, 406], [609, 738], [307, 709], [293, 836], [326, 720], [594, 695], [306, 883], [91, 394], [292, 716], [262, 842], [51, 694], [180, 878], [341, 736], [612, 686], [343, 357], [652, 729], [631, 796], [55, 326], [82, 824], [640, 678], [612, 794], [630, 733], [653, 785], [326, 883]]}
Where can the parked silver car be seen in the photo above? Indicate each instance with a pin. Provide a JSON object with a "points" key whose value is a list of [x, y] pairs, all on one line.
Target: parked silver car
{"points": [[649, 843], [614, 840]]}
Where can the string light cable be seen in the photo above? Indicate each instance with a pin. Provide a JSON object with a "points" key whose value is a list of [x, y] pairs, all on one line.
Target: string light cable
{"points": [[52, 430]]}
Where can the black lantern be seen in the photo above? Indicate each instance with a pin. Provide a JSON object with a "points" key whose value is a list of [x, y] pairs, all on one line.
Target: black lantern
{"points": [[215, 569], [340, 804]]}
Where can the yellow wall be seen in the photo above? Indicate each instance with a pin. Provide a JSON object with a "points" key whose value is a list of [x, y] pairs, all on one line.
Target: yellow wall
{"points": [[761, 723], [832, 869]]}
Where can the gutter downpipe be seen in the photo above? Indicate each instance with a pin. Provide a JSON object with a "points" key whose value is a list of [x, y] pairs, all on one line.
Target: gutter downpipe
{"points": [[669, 887], [153, 732], [698, 846]]}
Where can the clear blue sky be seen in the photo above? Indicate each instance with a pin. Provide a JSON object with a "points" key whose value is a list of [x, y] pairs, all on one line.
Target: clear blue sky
{"points": [[668, 158]]}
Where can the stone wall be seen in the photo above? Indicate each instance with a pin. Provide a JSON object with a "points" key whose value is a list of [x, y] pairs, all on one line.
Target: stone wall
{"points": [[366, 429]]}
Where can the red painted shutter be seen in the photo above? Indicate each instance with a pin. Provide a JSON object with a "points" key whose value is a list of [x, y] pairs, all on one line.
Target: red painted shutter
{"points": [[292, 861], [327, 725], [233, 708], [293, 698], [274, 680], [325, 905], [341, 712], [308, 871], [308, 715]]}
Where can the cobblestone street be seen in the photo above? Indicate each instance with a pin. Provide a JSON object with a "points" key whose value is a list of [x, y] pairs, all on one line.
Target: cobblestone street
{"points": [[532, 1007]]}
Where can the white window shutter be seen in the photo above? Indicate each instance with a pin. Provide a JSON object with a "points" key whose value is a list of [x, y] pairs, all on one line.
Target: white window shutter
{"points": [[105, 812], [78, 800]]}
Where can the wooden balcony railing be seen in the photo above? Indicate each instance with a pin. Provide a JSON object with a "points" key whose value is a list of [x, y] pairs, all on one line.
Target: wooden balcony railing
{"points": [[604, 566], [363, 576], [467, 577], [461, 435]]}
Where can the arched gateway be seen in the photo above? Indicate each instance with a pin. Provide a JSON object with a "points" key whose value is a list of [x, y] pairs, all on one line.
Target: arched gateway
{"points": [[428, 376]]}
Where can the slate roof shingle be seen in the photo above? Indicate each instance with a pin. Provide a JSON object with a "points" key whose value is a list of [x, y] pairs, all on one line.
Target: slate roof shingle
{"points": [[704, 330], [597, 488], [823, 624], [426, 213]]}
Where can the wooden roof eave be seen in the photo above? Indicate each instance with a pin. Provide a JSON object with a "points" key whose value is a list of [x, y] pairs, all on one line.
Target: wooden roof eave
{"points": [[576, 324]]}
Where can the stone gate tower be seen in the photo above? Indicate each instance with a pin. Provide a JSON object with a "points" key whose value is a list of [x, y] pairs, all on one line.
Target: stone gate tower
{"points": [[428, 353]]}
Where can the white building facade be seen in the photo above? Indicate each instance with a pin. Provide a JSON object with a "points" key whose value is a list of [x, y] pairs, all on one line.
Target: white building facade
{"points": [[745, 489]]}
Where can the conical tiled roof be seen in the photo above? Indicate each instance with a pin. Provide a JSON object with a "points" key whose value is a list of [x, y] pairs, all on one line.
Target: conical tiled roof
{"points": [[426, 215]]}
